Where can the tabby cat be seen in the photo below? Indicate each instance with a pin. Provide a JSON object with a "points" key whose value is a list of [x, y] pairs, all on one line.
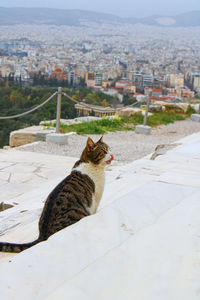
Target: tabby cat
{"points": [[75, 197]]}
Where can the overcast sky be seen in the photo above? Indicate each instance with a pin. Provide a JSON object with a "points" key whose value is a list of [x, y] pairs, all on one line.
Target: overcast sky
{"points": [[128, 8]]}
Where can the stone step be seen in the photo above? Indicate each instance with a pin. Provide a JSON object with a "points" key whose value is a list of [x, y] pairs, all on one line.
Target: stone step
{"points": [[145, 234]]}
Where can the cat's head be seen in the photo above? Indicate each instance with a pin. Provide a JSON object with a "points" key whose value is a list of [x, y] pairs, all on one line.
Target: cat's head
{"points": [[97, 153]]}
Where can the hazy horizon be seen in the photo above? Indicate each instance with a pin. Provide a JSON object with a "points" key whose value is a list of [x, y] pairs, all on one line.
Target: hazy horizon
{"points": [[128, 8]]}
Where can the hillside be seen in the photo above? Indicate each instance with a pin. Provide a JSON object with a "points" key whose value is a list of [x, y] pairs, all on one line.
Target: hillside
{"points": [[49, 16]]}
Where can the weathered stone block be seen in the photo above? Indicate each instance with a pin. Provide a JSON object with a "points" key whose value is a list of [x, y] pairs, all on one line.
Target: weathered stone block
{"points": [[143, 129], [57, 138], [28, 135], [155, 108], [174, 107], [21, 138], [195, 117], [127, 112]]}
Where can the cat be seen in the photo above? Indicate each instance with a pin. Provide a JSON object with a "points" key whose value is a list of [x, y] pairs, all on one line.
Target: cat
{"points": [[75, 197]]}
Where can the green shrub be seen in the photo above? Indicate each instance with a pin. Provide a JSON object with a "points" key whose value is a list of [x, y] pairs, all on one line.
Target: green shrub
{"points": [[123, 124]]}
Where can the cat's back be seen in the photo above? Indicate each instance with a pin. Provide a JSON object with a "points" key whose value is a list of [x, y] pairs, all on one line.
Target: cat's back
{"points": [[70, 201], [97, 175]]}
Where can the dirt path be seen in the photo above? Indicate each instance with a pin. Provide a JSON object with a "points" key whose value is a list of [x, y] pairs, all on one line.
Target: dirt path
{"points": [[126, 146]]}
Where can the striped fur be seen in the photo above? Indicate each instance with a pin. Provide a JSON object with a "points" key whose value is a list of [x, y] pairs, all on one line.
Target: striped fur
{"points": [[75, 197]]}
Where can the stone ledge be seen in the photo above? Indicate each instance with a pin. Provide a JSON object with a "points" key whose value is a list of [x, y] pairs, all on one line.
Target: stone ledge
{"points": [[28, 135]]}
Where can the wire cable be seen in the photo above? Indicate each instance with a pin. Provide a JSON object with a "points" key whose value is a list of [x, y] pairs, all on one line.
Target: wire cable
{"points": [[29, 111]]}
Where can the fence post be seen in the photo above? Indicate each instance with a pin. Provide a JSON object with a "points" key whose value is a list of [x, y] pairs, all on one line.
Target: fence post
{"points": [[146, 111], [58, 110]]}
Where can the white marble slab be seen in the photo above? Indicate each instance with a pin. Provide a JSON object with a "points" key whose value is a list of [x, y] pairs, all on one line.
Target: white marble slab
{"points": [[161, 262], [189, 149], [89, 240], [143, 243], [182, 176]]}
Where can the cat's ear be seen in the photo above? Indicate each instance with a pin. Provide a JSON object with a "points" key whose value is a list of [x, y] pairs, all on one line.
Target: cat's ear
{"points": [[101, 139], [90, 143]]}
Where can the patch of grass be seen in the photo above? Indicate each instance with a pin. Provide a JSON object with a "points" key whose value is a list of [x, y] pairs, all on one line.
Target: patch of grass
{"points": [[157, 118], [88, 128], [95, 127], [136, 119], [164, 118], [122, 124], [190, 111]]}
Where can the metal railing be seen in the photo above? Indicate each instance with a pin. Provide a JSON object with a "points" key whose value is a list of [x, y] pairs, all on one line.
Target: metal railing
{"points": [[59, 94]]}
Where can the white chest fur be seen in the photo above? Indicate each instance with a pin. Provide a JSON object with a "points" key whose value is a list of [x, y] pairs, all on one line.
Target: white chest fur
{"points": [[97, 174]]}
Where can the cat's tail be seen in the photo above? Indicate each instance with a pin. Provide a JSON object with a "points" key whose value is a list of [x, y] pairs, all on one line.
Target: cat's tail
{"points": [[12, 247]]}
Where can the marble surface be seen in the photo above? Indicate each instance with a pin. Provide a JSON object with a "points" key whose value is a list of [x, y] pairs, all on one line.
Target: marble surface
{"points": [[143, 243]]}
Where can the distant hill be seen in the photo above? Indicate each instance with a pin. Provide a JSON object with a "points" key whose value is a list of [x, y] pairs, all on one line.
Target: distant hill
{"points": [[50, 16], [188, 19]]}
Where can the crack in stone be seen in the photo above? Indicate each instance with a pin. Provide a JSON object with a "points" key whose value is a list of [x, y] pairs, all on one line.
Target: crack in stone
{"points": [[7, 229], [129, 230], [38, 170], [162, 149], [11, 165], [41, 176], [25, 181], [9, 178]]}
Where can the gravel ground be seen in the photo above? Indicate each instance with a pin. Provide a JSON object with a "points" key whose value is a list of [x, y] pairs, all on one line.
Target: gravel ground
{"points": [[126, 146]]}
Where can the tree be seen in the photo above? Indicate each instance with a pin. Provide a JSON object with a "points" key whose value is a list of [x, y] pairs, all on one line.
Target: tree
{"points": [[2, 82], [114, 101], [93, 99], [104, 103], [77, 96], [128, 101]]}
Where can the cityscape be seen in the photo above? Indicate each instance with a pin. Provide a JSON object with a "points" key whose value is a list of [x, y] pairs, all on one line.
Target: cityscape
{"points": [[118, 59]]}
